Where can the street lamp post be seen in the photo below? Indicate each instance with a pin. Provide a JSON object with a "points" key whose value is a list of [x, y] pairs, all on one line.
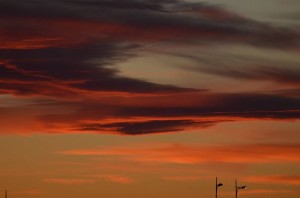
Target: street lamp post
{"points": [[237, 188], [217, 186]]}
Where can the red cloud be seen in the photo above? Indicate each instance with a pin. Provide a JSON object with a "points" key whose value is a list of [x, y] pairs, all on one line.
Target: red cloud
{"points": [[187, 154], [137, 115], [66, 58]]}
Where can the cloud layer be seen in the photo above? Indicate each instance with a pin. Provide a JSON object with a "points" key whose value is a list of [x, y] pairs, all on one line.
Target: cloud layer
{"points": [[69, 58], [192, 154]]}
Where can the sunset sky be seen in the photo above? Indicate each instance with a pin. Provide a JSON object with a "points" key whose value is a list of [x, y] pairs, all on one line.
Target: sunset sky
{"points": [[149, 98]]}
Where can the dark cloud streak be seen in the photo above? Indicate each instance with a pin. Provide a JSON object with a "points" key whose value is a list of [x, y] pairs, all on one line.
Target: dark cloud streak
{"points": [[179, 19], [230, 105], [47, 72], [144, 119], [148, 127]]}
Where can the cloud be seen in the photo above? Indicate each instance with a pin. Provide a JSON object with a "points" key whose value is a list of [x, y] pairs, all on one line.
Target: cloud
{"points": [[142, 20], [289, 92], [69, 57], [268, 191], [240, 62], [264, 192], [91, 179], [275, 179], [129, 4], [243, 67], [116, 179], [283, 75], [31, 192], [194, 154], [152, 126], [181, 178], [168, 113], [245, 105], [80, 33], [65, 72], [69, 181], [147, 114]]}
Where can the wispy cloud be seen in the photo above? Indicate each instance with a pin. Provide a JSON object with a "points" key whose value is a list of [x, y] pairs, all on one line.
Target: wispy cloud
{"points": [[116, 179], [149, 114], [168, 113], [90, 179], [181, 178], [193, 154], [163, 20], [275, 179], [31, 192], [146, 127], [263, 192], [248, 64], [44, 73], [68, 181]]}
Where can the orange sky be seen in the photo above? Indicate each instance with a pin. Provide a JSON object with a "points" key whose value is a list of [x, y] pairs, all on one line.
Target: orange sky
{"points": [[136, 98]]}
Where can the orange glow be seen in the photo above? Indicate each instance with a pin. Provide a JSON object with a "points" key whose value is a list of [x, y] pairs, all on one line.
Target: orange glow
{"points": [[191, 154], [33, 192], [181, 178], [116, 179], [275, 179], [68, 181]]}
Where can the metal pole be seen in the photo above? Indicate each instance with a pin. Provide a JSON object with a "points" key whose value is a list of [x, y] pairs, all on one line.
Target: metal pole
{"points": [[5, 193], [236, 189], [216, 187]]}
